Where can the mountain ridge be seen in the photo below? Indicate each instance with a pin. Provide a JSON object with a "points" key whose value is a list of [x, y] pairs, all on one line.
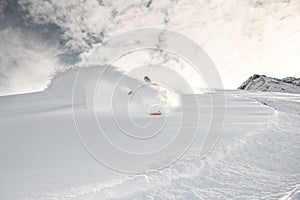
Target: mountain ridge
{"points": [[264, 83]]}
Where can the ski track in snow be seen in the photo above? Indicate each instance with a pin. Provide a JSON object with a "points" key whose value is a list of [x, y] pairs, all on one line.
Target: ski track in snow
{"points": [[257, 156], [261, 165]]}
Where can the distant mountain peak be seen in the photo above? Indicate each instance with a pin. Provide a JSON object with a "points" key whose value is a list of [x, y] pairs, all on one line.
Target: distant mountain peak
{"points": [[263, 83]]}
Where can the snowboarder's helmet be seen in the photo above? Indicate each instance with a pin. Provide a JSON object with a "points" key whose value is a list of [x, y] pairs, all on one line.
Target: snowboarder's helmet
{"points": [[147, 79]]}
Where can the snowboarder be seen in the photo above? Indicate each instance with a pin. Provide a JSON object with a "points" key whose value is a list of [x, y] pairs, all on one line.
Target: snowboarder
{"points": [[149, 82], [147, 79]]}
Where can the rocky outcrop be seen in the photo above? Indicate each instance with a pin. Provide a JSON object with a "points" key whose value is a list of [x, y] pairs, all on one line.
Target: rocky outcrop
{"points": [[264, 83]]}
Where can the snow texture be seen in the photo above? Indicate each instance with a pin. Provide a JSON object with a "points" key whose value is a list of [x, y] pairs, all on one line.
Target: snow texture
{"points": [[96, 86], [257, 156]]}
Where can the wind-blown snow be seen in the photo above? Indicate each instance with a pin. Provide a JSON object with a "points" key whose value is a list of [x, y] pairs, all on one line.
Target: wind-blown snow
{"points": [[42, 157], [97, 86], [257, 156]]}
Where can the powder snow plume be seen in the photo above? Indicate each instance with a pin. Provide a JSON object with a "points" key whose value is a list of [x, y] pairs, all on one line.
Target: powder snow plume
{"points": [[105, 88]]}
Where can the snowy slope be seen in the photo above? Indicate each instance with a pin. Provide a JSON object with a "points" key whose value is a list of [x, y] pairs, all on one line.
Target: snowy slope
{"points": [[257, 156], [264, 83]]}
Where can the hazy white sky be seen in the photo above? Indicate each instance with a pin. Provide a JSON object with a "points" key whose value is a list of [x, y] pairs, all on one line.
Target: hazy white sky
{"points": [[241, 37]]}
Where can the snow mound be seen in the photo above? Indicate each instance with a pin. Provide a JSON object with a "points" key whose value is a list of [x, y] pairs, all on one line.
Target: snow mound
{"points": [[105, 88], [264, 83]]}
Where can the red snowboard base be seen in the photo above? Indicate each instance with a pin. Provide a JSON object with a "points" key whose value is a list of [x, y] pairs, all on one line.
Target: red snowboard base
{"points": [[156, 113]]}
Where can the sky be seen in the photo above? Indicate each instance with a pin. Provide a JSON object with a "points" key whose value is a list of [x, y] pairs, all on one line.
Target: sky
{"points": [[242, 38]]}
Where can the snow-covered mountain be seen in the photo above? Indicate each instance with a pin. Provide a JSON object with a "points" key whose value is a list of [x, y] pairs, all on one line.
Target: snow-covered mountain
{"points": [[48, 146], [78, 139], [264, 83]]}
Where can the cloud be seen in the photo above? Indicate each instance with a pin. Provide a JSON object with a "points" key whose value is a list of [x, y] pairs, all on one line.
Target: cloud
{"points": [[3, 4], [241, 37], [84, 23], [26, 61]]}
